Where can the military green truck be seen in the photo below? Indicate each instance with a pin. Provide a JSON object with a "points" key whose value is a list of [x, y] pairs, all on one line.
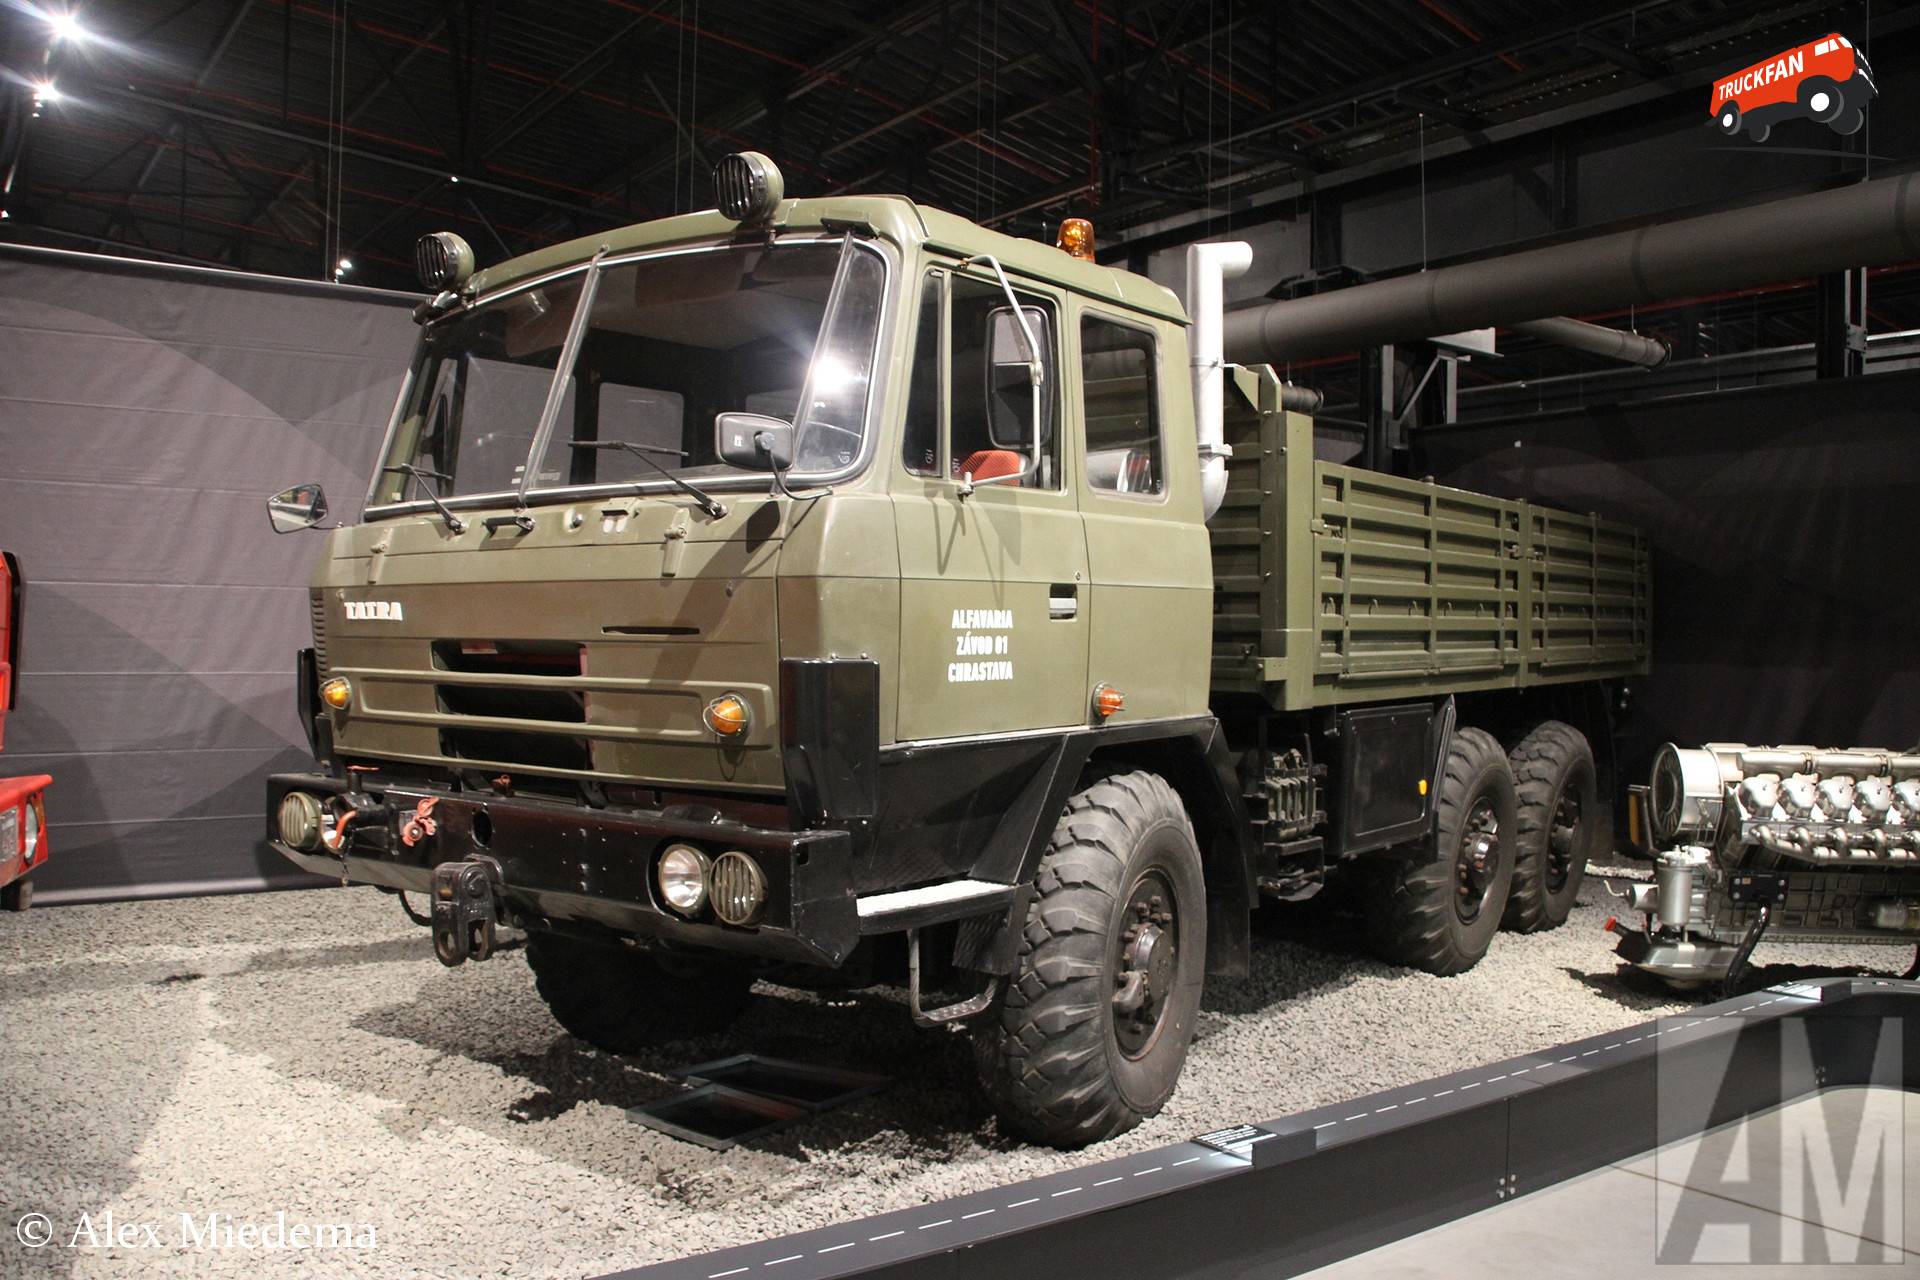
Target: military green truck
{"points": [[833, 591]]}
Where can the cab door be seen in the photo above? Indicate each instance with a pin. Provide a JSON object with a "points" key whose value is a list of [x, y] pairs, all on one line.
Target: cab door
{"points": [[1150, 564], [993, 557]]}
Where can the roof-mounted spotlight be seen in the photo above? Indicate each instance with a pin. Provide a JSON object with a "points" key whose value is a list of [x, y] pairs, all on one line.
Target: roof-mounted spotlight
{"points": [[444, 260], [748, 186]]}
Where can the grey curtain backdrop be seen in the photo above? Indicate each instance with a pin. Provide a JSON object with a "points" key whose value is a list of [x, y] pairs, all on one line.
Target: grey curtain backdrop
{"points": [[1783, 521], [145, 414]]}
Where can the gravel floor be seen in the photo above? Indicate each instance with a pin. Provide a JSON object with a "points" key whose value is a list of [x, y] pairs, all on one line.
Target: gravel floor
{"points": [[304, 1053]]}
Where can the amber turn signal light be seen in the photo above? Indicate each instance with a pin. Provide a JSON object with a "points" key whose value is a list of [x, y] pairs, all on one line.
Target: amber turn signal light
{"points": [[336, 693], [1076, 238], [727, 715], [1107, 701]]}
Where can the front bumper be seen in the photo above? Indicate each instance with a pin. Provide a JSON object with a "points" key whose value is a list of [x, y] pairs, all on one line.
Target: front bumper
{"points": [[590, 870], [17, 797]]}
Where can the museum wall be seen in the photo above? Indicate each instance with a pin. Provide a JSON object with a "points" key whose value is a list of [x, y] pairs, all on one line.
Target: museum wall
{"points": [[1783, 524], [145, 414]]}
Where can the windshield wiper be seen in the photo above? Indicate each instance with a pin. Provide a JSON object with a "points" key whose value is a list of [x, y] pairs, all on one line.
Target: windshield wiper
{"points": [[454, 523], [708, 503]]}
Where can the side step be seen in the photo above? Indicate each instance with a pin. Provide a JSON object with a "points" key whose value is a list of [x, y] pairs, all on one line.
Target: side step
{"points": [[931, 904]]}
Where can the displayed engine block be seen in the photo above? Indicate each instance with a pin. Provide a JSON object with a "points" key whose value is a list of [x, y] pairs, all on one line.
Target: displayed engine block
{"points": [[1800, 843]]}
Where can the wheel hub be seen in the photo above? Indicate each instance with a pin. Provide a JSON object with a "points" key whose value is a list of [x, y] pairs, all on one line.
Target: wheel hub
{"points": [[1477, 860], [1144, 975], [1562, 840]]}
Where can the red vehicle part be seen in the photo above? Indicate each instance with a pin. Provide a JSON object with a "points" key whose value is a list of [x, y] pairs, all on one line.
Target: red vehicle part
{"points": [[23, 836], [1825, 80], [23, 812]]}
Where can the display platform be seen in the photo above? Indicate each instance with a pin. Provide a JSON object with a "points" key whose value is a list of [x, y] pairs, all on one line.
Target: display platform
{"points": [[1281, 1197]]}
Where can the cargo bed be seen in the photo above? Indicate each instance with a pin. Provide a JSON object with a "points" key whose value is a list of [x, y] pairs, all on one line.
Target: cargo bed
{"points": [[1393, 588]]}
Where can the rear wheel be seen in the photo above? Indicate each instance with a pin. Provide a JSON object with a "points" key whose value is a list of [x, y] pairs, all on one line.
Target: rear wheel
{"points": [[17, 896], [1849, 121], [1438, 906], [1091, 1029], [623, 1000], [1558, 813], [1759, 132]]}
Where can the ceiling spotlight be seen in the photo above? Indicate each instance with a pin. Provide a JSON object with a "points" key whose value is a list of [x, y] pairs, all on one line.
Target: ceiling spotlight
{"points": [[346, 264], [66, 26], [45, 92]]}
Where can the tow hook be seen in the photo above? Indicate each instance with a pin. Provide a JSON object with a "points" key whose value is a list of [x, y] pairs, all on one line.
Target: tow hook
{"points": [[465, 916]]}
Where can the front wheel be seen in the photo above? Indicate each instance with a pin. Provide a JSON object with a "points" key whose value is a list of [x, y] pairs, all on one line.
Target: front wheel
{"points": [[1729, 120], [1090, 1031], [622, 1000], [1438, 906]]}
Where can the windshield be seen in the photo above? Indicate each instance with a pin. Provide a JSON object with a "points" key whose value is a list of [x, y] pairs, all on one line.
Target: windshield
{"points": [[670, 342]]}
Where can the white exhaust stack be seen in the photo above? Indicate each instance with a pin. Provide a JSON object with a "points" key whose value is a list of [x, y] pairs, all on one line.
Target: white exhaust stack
{"points": [[1207, 266]]}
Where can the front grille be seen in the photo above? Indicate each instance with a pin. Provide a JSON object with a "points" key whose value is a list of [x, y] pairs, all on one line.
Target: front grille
{"points": [[317, 606], [505, 746]]}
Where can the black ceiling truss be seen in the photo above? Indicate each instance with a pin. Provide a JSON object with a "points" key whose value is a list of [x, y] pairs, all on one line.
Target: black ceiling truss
{"points": [[518, 122]]}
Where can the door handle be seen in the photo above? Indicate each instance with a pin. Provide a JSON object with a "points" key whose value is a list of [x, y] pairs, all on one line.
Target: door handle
{"points": [[1063, 601]]}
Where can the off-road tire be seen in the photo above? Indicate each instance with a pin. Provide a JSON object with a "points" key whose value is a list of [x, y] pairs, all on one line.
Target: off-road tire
{"points": [[622, 1000], [1050, 1050], [1413, 918], [17, 896], [1550, 863]]}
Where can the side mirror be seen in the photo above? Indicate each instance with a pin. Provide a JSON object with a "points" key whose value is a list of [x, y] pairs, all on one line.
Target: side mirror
{"points": [[753, 441], [301, 507]]}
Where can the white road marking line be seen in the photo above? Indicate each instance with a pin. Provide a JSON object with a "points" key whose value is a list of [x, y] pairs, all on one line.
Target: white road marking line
{"points": [[977, 1213], [1017, 1203], [1177, 1163], [1443, 1093], [1589, 1053], [928, 1226], [1380, 1111], [1411, 1101], [1636, 1040], [1141, 1173], [1522, 1071], [890, 1235], [1501, 1076], [1328, 1125], [1107, 1182], [1361, 1116], [835, 1248], [1465, 1087], [716, 1275], [792, 1257], [1614, 1045], [1069, 1191]]}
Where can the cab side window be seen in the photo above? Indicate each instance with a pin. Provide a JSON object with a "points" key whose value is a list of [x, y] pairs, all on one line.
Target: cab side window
{"points": [[992, 407], [990, 411], [1119, 375]]}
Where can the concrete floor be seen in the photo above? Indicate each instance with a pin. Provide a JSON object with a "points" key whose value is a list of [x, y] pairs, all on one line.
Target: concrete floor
{"points": [[1816, 1189], [303, 1053]]}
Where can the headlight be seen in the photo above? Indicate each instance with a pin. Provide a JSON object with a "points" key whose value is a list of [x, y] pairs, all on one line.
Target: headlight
{"points": [[300, 819], [683, 878], [32, 837], [739, 888]]}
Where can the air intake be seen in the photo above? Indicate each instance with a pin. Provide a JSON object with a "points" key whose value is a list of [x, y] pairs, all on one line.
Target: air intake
{"points": [[747, 185]]}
